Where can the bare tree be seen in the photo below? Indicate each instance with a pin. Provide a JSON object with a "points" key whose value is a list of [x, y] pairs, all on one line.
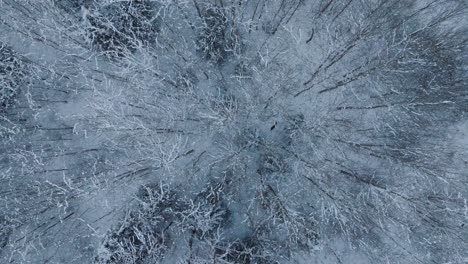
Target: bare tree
{"points": [[233, 131]]}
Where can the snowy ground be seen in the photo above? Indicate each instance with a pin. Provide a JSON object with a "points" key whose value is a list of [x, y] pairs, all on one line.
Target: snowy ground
{"points": [[286, 131]]}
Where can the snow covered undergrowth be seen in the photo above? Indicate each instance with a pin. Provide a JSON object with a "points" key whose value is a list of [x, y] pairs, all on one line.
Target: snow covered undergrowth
{"points": [[284, 131]]}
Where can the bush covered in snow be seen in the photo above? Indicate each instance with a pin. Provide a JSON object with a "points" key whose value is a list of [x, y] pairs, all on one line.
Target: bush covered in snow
{"points": [[123, 26], [12, 73]]}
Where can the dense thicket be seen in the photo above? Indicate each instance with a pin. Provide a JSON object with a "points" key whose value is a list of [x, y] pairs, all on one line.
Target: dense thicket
{"points": [[287, 131]]}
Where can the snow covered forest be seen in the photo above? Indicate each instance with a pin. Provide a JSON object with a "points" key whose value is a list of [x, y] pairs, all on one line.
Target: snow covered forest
{"points": [[234, 131]]}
